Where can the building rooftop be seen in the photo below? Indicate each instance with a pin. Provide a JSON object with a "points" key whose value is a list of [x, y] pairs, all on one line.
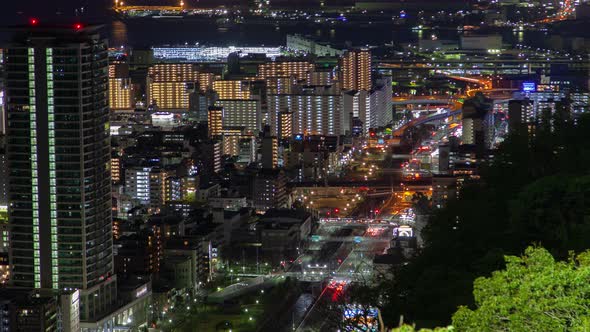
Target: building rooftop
{"points": [[27, 296], [56, 33], [286, 215], [183, 243], [132, 282]]}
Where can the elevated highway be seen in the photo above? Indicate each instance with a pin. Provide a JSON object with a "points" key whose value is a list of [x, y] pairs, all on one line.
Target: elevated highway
{"points": [[422, 100]]}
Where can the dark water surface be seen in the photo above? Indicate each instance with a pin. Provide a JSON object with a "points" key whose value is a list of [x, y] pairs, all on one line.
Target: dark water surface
{"points": [[151, 32]]}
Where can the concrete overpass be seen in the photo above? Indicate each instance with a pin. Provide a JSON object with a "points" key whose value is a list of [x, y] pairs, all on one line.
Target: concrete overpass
{"points": [[425, 119], [383, 183], [421, 100]]}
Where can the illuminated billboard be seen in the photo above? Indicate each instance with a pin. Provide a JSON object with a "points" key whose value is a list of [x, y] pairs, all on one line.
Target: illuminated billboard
{"points": [[529, 86], [361, 319]]}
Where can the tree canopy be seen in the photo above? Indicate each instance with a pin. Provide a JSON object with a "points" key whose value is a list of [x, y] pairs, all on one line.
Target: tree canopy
{"points": [[534, 293], [535, 189], [409, 328]]}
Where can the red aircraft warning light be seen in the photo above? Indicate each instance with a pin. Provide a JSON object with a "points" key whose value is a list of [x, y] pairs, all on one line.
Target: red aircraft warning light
{"points": [[77, 26], [34, 21]]}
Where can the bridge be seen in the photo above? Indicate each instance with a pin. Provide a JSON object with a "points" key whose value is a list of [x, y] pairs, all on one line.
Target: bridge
{"points": [[421, 100], [381, 184], [127, 5], [148, 8], [567, 10], [353, 239], [355, 222], [477, 63], [240, 288], [425, 119]]}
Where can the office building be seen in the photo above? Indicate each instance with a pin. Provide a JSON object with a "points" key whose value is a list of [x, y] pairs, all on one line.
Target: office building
{"points": [[169, 95], [215, 121], [444, 188], [304, 44], [241, 113], [357, 104], [200, 252], [477, 122], [481, 42], [444, 161], [231, 140], [520, 114], [147, 186], [158, 189], [181, 72], [3, 174], [39, 310], [472, 130], [115, 169], [209, 155], [325, 77], [232, 89], [269, 190], [316, 111], [199, 103], [137, 183], [280, 85], [121, 93], [173, 72], [297, 69], [355, 70], [59, 151], [270, 152], [170, 85], [164, 120], [381, 103], [247, 151], [180, 188], [525, 110], [140, 254], [285, 125]]}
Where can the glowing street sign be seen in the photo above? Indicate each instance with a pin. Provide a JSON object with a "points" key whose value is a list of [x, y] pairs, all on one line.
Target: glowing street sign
{"points": [[529, 86]]}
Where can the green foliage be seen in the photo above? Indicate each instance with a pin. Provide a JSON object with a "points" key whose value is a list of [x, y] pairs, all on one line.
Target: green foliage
{"points": [[409, 328], [190, 197], [421, 204], [533, 293], [536, 190]]}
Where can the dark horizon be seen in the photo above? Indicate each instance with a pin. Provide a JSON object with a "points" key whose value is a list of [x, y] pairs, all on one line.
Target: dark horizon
{"points": [[20, 11]]}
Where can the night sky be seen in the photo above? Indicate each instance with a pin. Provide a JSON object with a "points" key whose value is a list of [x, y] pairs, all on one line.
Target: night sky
{"points": [[20, 10]]}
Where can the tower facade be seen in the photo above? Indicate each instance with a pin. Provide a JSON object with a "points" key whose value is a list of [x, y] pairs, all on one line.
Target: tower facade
{"points": [[58, 155], [355, 70]]}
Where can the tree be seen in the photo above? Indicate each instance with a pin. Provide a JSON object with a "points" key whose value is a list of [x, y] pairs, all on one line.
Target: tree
{"points": [[534, 293], [409, 328], [535, 190], [421, 204], [350, 309]]}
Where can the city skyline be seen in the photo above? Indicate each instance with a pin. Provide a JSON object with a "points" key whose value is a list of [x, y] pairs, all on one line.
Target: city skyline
{"points": [[278, 166]]}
